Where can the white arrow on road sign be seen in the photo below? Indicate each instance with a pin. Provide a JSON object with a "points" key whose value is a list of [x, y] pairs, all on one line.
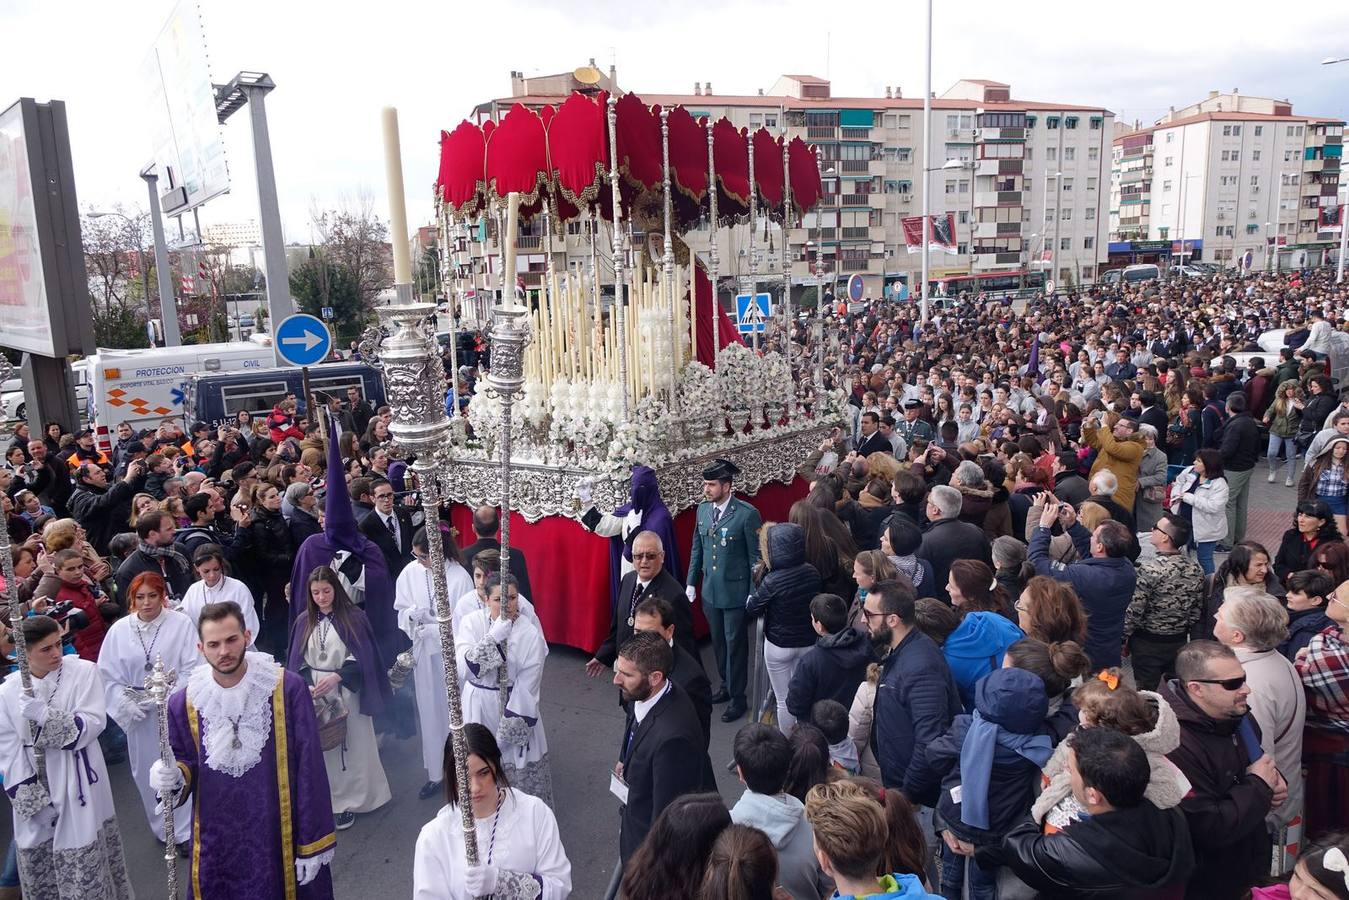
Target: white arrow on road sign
{"points": [[308, 340]]}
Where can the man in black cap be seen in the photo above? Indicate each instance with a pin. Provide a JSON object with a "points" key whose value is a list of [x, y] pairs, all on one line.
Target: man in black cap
{"points": [[913, 426], [725, 551]]}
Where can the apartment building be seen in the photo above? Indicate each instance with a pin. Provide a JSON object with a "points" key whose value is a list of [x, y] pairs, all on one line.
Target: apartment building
{"points": [[1026, 182], [1232, 179]]}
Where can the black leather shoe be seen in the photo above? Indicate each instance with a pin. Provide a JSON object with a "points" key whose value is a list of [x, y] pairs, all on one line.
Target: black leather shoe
{"points": [[721, 696], [428, 790], [733, 712]]}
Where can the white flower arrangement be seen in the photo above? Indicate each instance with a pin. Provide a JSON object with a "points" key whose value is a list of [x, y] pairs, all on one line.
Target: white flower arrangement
{"points": [[740, 375], [776, 374], [699, 392], [533, 407]]}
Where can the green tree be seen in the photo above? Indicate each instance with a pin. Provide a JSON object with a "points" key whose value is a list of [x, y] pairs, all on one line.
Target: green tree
{"points": [[318, 283]]}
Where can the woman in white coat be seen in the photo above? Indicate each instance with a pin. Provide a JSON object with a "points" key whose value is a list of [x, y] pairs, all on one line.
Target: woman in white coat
{"points": [[520, 852], [415, 602], [1199, 495]]}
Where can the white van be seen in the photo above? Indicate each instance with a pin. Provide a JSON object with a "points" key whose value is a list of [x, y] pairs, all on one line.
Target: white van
{"points": [[143, 387], [1141, 272], [14, 403]]}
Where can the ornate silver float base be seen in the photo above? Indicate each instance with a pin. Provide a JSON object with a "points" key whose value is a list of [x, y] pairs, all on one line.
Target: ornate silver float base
{"points": [[538, 490]]}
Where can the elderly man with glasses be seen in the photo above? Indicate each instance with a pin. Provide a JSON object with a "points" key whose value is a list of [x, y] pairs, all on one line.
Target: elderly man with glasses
{"points": [[1168, 599], [1234, 783]]}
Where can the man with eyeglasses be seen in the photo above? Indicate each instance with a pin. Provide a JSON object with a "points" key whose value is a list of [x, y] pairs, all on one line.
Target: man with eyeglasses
{"points": [[649, 578], [389, 526], [1234, 783], [1168, 599]]}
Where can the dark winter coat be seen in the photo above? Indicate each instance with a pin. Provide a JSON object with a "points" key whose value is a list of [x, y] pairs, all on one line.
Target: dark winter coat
{"points": [[831, 670], [1130, 854], [916, 700], [1303, 625], [1019, 503], [1016, 702], [868, 522], [1295, 554], [104, 512], [947, 541], [1105, 585], [271, 544], [1226, 806], [1240, 445], [1070, 487], [783, 596]]}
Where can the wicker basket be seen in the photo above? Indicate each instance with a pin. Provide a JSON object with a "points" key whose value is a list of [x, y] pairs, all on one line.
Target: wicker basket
{"points": [[332, 716]]}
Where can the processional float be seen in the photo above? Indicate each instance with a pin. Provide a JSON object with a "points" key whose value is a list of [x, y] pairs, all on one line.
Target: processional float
{"points": [[586, 382]]}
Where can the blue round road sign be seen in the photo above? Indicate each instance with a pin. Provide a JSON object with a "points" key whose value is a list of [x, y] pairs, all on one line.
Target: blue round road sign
{"points": [[855, 288], [302, 340]]}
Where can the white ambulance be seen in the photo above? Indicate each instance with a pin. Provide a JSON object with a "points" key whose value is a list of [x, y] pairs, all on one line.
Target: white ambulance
{"points": [[143, 387]]}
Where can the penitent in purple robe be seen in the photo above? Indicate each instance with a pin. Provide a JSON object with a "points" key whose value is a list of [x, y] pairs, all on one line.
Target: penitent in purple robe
{"points": [[247, 831]]}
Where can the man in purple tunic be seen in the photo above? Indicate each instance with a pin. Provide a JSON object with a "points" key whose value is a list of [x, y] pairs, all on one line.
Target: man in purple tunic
{"points": [[246, 742]]}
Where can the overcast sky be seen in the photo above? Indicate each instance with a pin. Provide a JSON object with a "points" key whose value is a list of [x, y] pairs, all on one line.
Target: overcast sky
{"points": [[336, 63]]}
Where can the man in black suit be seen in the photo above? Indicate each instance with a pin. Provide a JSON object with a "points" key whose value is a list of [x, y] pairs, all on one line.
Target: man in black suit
{"points": [[648, 579], [871, 439], [486, 523], [389, 526], [655, 614], [661, 756], [1144, 408]]}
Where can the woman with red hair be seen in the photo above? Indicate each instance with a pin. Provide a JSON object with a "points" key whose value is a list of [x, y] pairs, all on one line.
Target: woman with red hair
{"points": [[151, 633]]}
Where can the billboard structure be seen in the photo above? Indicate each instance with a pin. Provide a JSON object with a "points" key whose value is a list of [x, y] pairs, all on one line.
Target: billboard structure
{"points": [[189, 152], [44, 296]]}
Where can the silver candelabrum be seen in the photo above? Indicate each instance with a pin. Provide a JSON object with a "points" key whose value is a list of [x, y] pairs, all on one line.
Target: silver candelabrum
{"points": [[415, 388], [510, 335], [16, 615]]}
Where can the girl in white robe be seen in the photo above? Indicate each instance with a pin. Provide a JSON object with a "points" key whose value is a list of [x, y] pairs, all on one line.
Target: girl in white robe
{"points": [[519, 848], [214, 586], [415, 602], [129, 651], [487, 640], [68, 842]]}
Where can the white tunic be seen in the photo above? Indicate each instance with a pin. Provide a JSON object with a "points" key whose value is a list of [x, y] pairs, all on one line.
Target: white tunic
{"points": [[128, 648], [414, 600], [478, 658], [81, 855], [472, 601], [356, 777], [527, 842], [198, 595]]}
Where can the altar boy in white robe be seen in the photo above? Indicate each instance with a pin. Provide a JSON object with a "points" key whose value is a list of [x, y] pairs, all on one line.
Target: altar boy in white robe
{"points": [[415, 602], [488, 640], [485, 563], [520, 852], [127, 657], [69, 846]]}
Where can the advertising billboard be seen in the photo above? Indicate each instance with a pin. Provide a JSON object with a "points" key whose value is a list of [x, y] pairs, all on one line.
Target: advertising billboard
{"points": [[44, 297], [189, 152]]}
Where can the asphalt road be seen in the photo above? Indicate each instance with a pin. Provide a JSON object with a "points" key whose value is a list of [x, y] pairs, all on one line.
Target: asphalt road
{"points": [[374, 857]]}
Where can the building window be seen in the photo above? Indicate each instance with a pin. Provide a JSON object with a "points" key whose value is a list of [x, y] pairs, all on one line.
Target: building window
{"points": [[1067, 214], [1051, 154], [1236, 156], [1166, 187], [1090, 213], [950, 187], [770, 120], [1093, 153], [964, 187], [1067, 185], [1091, 184], [1218, 232], [1259, 130], [1096, 122], [1070, 121], [1236, 130], [1069, 153], [1049, 214], [953, 122], [963, 217], [1030, 152], [1026, 185], [1170, 137], [1051, 122], [1065, 243], [755, 120], [890, 120], [1227, 131], [903, 121], [904, 154], [1169, 161], [1253, 228], [1030, 121], [1088, 243], [1255, 156], [1225, 156], [1255, 181]]}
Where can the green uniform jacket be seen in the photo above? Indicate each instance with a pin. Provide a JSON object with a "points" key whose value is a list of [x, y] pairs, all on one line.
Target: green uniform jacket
{"points": [[725, 555]]}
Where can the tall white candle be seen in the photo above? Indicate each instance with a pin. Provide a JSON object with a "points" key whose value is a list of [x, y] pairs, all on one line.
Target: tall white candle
{"points": [[512, 230], [398, 214]]}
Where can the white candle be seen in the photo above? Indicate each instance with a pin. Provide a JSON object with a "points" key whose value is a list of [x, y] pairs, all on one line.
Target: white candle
{"points": [[508, 266], [398, 214]]}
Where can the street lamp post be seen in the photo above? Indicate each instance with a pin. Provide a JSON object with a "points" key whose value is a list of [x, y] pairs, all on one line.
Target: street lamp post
{"points": [[927, 142], [140, 255]]}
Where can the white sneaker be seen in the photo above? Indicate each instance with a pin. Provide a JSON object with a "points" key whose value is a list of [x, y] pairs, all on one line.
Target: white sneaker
{"points": [[1288, 482], [1271, 477]]}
